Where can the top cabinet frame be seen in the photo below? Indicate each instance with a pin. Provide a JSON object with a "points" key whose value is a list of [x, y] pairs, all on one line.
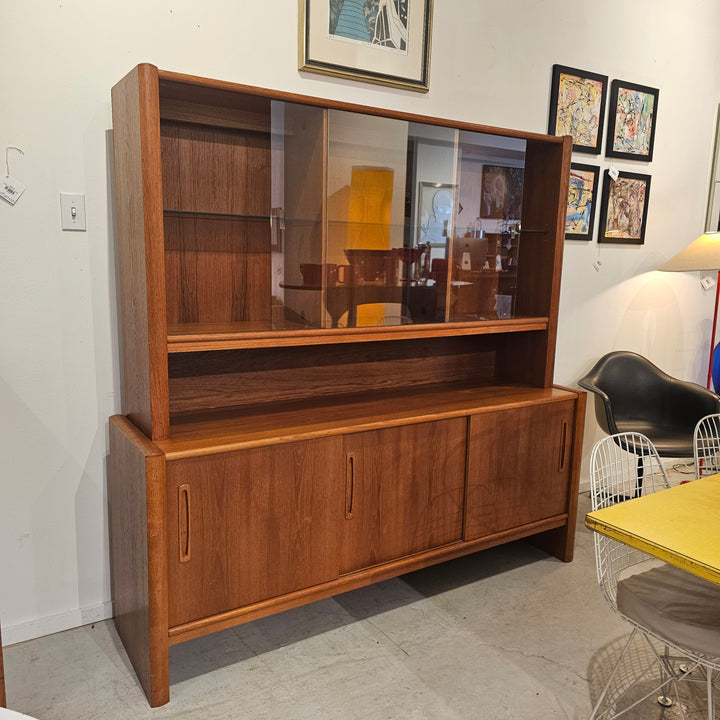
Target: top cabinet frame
{"points": [[163, 332]]}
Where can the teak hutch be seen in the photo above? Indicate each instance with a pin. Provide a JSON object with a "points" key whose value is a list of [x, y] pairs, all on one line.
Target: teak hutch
{"points": [[338, 338]]}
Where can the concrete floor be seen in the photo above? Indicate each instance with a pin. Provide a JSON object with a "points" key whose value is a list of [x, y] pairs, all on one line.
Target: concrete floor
{"points": [[508, 633]]}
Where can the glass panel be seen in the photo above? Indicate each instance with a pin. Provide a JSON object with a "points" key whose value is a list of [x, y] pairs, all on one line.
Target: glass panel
{"points": [[378, 255], [486, 243], [217, 263], [281, 216], [296, 242]]}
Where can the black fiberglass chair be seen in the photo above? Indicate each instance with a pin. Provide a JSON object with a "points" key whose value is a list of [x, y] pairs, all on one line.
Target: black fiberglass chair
{"points": [[633, 395]]}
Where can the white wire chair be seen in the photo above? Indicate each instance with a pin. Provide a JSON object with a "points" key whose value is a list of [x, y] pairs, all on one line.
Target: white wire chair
{"points": [[706, 444], [624, 466]]}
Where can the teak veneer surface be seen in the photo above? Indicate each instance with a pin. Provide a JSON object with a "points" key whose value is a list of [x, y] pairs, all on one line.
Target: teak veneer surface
{"points": [[192, 337], [265, 460], [213, 432], [184, 90]]}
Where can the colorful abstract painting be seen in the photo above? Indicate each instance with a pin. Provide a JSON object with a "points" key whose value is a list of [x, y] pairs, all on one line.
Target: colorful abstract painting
{"points": [[577, 107], [582, 196], [632, 121], [623, 215]]}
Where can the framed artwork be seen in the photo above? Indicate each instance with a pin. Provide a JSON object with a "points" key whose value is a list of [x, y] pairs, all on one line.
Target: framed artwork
{"points": [[624, 208], [582, 201], [577, 107], [435, 213], [379, 41], [501, 193], [632, 121]]}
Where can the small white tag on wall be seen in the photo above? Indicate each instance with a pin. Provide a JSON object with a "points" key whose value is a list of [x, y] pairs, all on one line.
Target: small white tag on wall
{"points": [[11, 189], [614, 173], [707, 282]]}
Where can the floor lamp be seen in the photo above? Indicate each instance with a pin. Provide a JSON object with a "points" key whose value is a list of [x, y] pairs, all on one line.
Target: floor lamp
{"points": [[702, 254]]}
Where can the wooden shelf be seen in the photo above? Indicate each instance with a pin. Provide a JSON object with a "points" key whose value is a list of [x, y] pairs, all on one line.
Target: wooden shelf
{"points": [[231, 336], [206, 433]]}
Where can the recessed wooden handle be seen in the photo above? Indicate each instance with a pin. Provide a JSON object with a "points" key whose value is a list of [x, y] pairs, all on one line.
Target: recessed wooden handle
{"points": [[563, 446], [184, 522], [349, 485]]}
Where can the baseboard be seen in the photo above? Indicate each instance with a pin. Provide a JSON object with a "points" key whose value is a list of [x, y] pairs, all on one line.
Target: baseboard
{"points": [[21, 632]]}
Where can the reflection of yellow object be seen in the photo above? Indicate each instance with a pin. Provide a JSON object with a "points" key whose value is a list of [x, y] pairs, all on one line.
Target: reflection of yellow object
{"points": [[369, 211]]}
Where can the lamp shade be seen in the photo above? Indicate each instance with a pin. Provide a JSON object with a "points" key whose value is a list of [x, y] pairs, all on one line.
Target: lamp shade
{"points": [[701, 254]]}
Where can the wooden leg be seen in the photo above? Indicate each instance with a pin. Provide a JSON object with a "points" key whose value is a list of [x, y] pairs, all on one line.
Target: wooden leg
{"points": [[559, 543]]}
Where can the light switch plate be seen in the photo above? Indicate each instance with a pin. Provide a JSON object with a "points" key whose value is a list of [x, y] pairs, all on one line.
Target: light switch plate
{"points": [[72, 211]]}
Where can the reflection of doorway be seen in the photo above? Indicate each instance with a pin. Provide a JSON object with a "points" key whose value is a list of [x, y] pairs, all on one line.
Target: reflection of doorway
{"points": [[435, 213], [369, 215]]}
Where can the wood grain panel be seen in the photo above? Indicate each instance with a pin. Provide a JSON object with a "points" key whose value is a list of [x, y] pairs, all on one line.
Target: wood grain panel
{"points": [[216, 170], [404, 491], [206, 105], [221, 431], [136, 515], [230, 378], [560, 541], [218, 270], [262, 523], [532, 359], [520, 464], [236, 336], [141, 274]]}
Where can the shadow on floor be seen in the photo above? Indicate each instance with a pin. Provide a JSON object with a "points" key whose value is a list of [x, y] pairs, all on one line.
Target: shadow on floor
{"points": [[234, 645]]}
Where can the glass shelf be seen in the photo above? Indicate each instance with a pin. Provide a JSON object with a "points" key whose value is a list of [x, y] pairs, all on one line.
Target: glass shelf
{"points": [[266, 218]]}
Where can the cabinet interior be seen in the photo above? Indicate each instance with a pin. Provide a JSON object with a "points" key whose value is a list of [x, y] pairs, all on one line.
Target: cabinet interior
{"points": [[236, 379]]}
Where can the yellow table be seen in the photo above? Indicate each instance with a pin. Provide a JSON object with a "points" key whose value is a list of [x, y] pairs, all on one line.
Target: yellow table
{"points": [[680, 525]]}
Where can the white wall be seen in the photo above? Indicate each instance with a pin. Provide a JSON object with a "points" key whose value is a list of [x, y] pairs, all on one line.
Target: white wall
{"points": [[491, 63]]}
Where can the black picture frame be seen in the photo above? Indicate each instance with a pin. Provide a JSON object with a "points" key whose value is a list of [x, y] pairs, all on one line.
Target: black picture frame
{"points": [[582, 201], [624, 208], [632, 121], [577, 107]]}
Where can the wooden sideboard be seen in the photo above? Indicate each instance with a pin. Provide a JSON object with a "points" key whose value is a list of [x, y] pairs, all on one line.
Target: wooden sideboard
{"points": [[292, 430]]}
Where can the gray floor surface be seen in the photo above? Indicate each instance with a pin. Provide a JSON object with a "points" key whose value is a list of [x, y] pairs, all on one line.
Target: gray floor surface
{"points": [[507, 633]]}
